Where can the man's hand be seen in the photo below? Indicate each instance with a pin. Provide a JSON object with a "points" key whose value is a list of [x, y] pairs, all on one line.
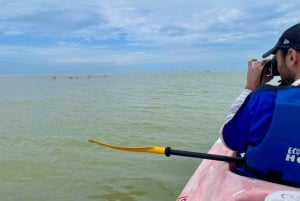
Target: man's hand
{"points": [[255, 68]]}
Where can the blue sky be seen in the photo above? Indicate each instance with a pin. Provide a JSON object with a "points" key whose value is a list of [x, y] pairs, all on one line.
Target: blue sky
{"points": [[75, 36]]}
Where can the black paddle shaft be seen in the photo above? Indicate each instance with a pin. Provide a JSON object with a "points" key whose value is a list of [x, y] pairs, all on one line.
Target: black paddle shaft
{"points": [[169, 152]]}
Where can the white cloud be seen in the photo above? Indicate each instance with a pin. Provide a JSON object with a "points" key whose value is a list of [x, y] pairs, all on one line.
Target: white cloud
{"points": [[141, 32]]}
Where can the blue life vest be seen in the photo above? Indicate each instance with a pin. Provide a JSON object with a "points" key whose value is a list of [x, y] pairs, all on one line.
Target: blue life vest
{"points": [[277, 157]]}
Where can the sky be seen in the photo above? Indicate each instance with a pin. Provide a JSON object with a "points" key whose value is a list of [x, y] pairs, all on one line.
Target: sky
{"points": [[96, 36]]}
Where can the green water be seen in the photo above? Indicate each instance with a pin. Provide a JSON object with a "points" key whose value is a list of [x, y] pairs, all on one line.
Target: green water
{"points": [[45, 124]]}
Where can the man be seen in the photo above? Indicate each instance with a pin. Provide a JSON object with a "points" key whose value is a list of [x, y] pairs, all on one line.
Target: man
{"points": [[264, 122]]}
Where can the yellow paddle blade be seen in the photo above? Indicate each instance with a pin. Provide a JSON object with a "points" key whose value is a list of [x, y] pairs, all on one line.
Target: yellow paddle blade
{"points": [[149, 149]]}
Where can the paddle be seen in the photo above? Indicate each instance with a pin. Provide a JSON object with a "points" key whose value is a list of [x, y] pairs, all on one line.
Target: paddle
{"points": [[168, 152]]}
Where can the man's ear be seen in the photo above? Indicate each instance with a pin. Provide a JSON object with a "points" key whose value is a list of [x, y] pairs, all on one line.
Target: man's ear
{"points": [[297, 57], [292, 57]]}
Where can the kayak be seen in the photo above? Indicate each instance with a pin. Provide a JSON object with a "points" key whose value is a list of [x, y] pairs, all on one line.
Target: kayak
{"points": [[214, 181]]}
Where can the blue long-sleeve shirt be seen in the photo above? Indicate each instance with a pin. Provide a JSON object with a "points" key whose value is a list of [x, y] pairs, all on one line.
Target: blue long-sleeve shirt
{"points": [[251, 122], [249, 118]]}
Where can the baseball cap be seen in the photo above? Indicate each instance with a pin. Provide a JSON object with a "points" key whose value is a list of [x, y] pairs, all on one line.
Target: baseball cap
{"points": [[289, 39]]}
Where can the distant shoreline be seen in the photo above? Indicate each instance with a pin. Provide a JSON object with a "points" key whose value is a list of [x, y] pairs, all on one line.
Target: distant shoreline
{"points": [[95, 74]]}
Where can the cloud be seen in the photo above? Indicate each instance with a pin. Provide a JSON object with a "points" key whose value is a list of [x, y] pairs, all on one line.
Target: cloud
{"points": [[143, 33]]}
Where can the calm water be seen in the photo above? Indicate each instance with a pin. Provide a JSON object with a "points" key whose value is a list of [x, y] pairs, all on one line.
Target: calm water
{"points": [[45, 124]]}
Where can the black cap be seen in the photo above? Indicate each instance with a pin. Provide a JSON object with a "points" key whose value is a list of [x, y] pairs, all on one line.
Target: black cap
{"points": [[289, 39]]}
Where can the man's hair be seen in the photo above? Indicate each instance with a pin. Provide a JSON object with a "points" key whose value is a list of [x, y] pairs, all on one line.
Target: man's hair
{"points": [[284, 51]]}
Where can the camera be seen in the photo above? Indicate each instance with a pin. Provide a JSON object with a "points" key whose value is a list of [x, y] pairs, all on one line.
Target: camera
{"points": [[270, 68]]}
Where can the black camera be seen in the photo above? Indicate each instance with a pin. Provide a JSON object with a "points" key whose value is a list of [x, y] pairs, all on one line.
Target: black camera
{"points": [[270, 68]]}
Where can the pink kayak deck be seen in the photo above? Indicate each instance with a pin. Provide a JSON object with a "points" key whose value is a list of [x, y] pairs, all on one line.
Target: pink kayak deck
{"points": [[213, 181]]}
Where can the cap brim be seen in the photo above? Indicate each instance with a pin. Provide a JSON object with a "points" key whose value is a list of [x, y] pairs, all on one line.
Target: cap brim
{"points": [[271, 51]]}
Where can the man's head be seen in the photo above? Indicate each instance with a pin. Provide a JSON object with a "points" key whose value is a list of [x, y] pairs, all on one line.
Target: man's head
{"points": [[287, 51]]}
